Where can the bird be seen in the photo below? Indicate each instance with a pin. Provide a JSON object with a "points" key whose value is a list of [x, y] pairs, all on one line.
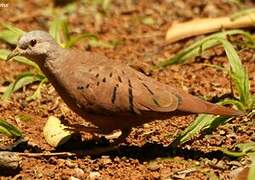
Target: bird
{"points": [[109, 94]]}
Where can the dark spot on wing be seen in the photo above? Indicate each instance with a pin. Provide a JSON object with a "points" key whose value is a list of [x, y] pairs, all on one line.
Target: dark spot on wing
{"points": [[123, 72], [110, 75], [148, 89], [80, 87], [120, 80], [98, 83], [97, 75], [104, 80], [114, 94], [87, 86], [90, 70], [130, 96]]}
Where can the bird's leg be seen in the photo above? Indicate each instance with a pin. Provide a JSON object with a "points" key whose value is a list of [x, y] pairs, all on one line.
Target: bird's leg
{"points": [[95, 130], [78, 127], [122, 137]]}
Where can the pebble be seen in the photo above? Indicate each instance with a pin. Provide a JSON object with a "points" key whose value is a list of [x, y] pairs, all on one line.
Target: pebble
{"points": [[79, 173], [94, 175], [222, 132], [70, 164], [73, 178], [253, 137], [153, 166], [106, 160]]}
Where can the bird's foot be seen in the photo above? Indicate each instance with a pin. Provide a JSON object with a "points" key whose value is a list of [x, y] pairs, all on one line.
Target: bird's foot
{"points": [[78, 128]]}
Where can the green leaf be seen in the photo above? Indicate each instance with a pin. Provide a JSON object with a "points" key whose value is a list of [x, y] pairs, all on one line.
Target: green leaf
{"points": [[237, 71], [37, 93], [4, 53], [148, 21], [244, 149], [202, 122], [242, 13], [55, 30], [23, 60], [9, 130], [21, 81], [196, 48], [251, 175], [10, 34], [20, 59], [94, 42], [23, 117], [234, 102], [76, 38]]}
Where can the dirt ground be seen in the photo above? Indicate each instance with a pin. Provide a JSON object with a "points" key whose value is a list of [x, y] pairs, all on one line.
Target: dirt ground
{"points": [[146, 154]]}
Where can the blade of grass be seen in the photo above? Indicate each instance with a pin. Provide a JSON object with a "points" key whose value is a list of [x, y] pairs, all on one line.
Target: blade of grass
{"points": [[94, 42], [237, 103], [56, 27], [4, 53], [242, 13], [76, 38], [21, 81], [10, 34], [201, 45], [9, 130], [237, 72], [37, 93], [251, 175], [202, 122], [244, 149]]}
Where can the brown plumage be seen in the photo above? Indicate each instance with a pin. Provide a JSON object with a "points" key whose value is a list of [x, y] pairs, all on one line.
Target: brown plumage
{"points": [[109, 94]]}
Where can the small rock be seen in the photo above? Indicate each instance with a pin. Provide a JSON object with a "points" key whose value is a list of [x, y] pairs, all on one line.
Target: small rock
{"points": [[153, 166], [73, 178], [94, 175], [253, 137], [222, 132], [70, 164], [146, 125], [221, 165], [53, 160], [106, 160], [79, 173]]}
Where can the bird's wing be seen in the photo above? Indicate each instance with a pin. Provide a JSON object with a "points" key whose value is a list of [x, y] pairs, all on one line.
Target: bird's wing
{"points": [[119, 88]]}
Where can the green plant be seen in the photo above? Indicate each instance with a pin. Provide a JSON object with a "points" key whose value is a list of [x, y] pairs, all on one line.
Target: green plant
{"points": [[244, 102], [200, 46], [9, 130], [243, 149]]}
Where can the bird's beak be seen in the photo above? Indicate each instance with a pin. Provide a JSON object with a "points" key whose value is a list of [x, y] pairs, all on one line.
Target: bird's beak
{"points": [[14, 53]]}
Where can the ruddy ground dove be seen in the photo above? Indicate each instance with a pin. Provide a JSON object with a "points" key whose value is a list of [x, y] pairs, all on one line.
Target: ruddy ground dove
{"points": [[106, 93]]}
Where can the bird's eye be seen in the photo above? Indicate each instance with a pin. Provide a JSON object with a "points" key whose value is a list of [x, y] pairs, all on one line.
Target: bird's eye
{"points": [[33, 42]]}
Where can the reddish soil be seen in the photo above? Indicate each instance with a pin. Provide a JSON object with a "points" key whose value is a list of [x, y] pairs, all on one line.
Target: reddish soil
{"points": [[146, 154]]}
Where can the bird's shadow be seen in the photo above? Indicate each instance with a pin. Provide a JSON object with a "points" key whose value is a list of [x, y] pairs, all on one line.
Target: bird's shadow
{"points": [[146, 152]]}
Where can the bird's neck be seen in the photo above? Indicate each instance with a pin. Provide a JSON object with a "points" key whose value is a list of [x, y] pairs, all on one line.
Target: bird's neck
{"points": [[52, 64]]}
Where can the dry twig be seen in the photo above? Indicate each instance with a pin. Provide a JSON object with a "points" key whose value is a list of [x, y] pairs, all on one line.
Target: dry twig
{"points": [[195, 27]]}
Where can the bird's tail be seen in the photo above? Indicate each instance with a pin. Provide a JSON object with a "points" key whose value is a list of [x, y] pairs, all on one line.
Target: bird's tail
{"points": [[196, 105]]}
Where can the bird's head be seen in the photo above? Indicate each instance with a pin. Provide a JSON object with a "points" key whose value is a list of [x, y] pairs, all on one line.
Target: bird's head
{"points": [[35, 45]]}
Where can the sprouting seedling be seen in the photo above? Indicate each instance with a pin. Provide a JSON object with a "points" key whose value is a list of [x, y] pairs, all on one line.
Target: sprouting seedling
{"points": [[59, 30], [8, 129], [239, 75], [196, 48], [243, 149]]}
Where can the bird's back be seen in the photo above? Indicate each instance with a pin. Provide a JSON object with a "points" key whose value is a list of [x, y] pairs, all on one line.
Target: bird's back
{"points": [[101, 85]]}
